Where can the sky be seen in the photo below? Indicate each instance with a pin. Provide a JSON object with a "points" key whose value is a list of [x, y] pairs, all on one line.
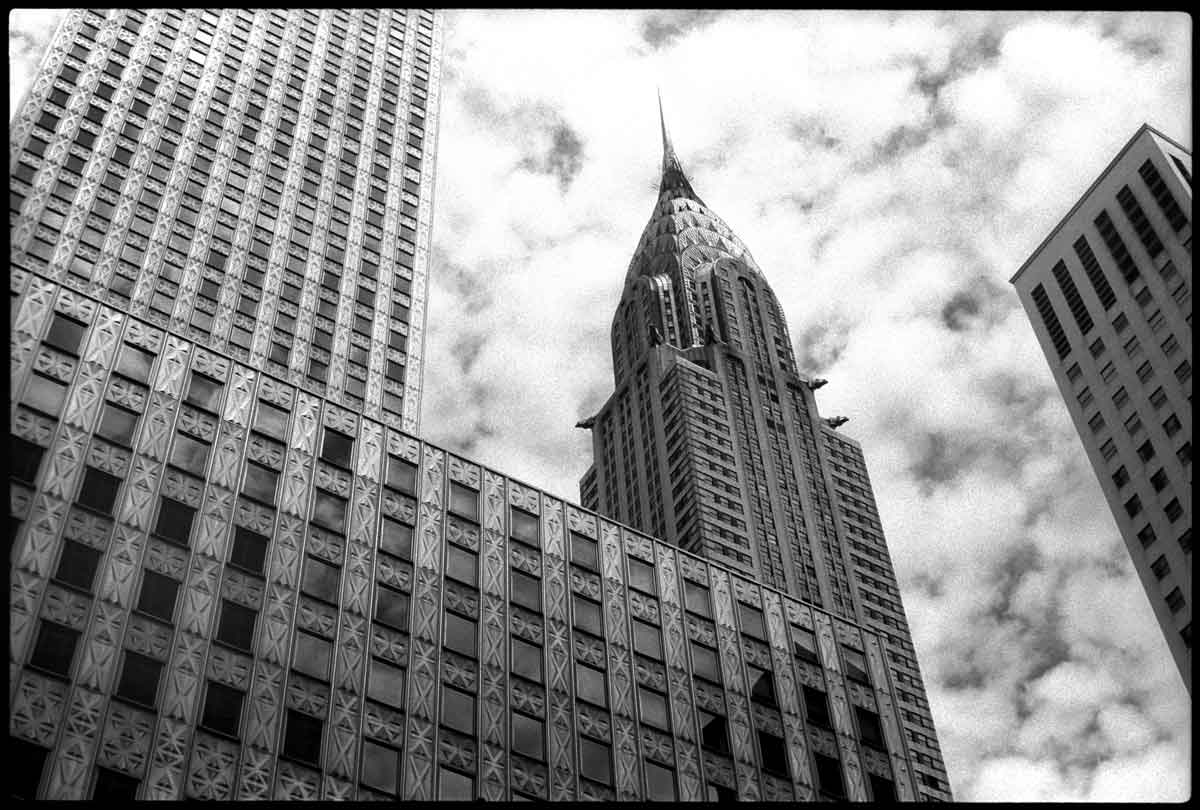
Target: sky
{"points": [[889, 172]]}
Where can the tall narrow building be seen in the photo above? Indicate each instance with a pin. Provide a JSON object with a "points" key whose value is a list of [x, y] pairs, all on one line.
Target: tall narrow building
{"points": [[1109, 294], [712, 441]]}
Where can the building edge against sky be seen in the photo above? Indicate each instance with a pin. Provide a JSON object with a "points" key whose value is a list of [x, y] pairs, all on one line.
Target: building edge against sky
{"points": [[1109, 296], [230, 582]]}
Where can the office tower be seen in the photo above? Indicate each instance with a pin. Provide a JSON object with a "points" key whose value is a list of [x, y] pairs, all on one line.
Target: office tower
{"points": [[713, 442], [1109, 294], [220, 232]]}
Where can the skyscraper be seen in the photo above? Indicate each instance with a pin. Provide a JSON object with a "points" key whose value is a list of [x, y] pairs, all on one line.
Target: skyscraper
{"points": [[1109, 294], [712, 441]]}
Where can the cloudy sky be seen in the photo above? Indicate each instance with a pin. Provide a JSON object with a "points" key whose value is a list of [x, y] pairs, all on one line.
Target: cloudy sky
{"points": [[889, 172]]}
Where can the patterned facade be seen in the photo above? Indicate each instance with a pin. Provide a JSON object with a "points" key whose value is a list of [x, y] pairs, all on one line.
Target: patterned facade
{"points": [[1109, 294], [713, 441]]}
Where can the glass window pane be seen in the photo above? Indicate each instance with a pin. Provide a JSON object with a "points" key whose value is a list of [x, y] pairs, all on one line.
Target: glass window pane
{"points": [[705, 663], [458, 710], [402, 475], [45, 394], [454, 786], [596, 760], [464, 501], [584, 551], [588, 615], [524, 526], [386, 683], [77, 565], [249, 549], [391, 608], [641, 576], [135, 363], [527, 660], [462, 565], [647, 639], [204, 392], [380, 766], [271, 420], [396, 538], [652, 708], [329, 511], [526, 591], [321, 580], [311, 656], [236, 626], [660, 783], [752, 621], [460, 635], [695, 598], [589, 683], [527, 736]]}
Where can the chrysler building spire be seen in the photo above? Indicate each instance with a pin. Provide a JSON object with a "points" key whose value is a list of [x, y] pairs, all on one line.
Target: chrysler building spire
{"points": [[674, 181]]}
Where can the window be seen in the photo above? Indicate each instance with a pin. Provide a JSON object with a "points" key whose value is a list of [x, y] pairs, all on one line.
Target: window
{"points": [[528, 736], [25, 764], [705, 663], [1120, 477], [454, 786], [588, 615], [157, 597], [236, 626], [696, 599], [526, 591], [380, 767], [66, 334], [816, 707], [174, 521], [24, 459], [804, 644], [641, 576], [1108, 371], [117, 425], [714, 732], [1185, 541], [271, 420], [386, 683], [337, 448], [1170, 346], [829, 776], [1175, 600], [321, 580], [856, 665], [311, 655], [595, 760], [1096, 423], [396, 538], [774, 753], [1159, 480], [1144, 372], [1171, 425], [204, 392], [584, 551], [402, 475], [302, 737], [190, 454], [1184, 453], [98, 491], [391, 608], [1074, 373], [139, 679], [54, 649], [77, 565], [1146, 535], [590, 684], [526, 660], [464, 501], [458, 710], [249, 550], [1174, 510], [1160, 567], [752, 621], [660, 783], [329, 511], [222, 709], [524, 526], [1133, 506], [652, 708], [114, 785], [462, 565], [1120, 398], [1145, 450], [762, 685], [882, 789], [647, 640], [1133, 424], [1097, 347], [869, 729], [460, 635]]}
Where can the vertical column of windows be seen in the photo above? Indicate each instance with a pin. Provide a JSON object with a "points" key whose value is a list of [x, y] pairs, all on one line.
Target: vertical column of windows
{"points": [[1141, 225], [1050, 320], [1074, 301], [1116, 247], [1163, 196]]}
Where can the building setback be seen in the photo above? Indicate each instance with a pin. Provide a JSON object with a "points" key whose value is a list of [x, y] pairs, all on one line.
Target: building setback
{"points": [[712, 440], [1109, 296]]}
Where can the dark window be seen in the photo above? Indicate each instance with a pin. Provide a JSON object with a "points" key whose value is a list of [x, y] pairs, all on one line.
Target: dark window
{"points": [[641, 576], [652, 708], [869, 730], [816, 707], [526, 591], [829, 776], [329, 511], [117, 425], [647, 639], [774, 753], [1050, 318], [25, 764], [1174, 510], [804, 643], [1145, 450], [528, 736], [454, 785], [249, 549], [588, 615], [595, 760], [458, 710], [190, 454], [66, 334], [24, 459], [337, 448], [696, 599], [311, 655], [719, 794], [396, 538], [139, 679], [236, 627], [380, 766], [752, 621], [589, 684], [1160, 567], [391, 608], [584, 551], [157, 598], [462, 565], [271, 420], [321, 580], [260, 482], [54, 649], [386, 683], [660, 783], [174, 521], [1121, 476], [762, 685], [464, 501], [856, 664], [527, 660], [1146, 535], [1172, 425], [524, 526], [77, 565], [1175, 600], [705, 663], [1133, 506], [882, 789], [115, 785], [222, 709], [203, 392], [1159, 480], [302, 737], [714, 733], [460, 635], [98, 490]]}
